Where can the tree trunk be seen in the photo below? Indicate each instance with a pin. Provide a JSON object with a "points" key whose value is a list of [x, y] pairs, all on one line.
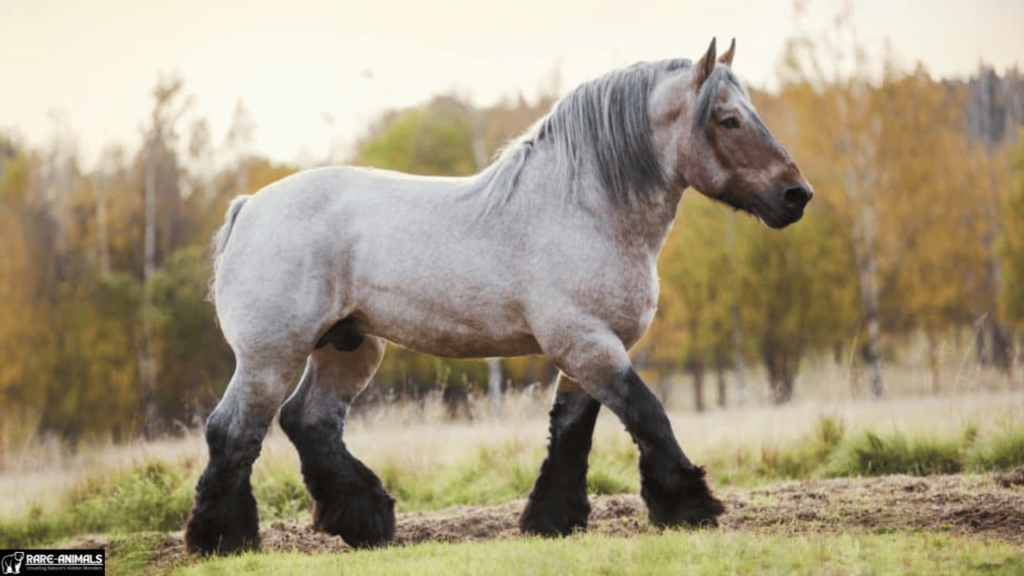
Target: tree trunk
{"points": [[147, 360], [102, 243], [697, 369], [734, 319], [1002, 347], [867, 272], [780, 376], [494, 386], [664, 386], [933, 362], [721, 385]]}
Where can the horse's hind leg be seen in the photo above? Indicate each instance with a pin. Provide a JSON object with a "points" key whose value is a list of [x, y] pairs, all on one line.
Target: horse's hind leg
{"points": [[558, 502], [349, 499], [224, 517]]}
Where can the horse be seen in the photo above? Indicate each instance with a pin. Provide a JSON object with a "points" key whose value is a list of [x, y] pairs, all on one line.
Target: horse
{"points": [[550, 250]]}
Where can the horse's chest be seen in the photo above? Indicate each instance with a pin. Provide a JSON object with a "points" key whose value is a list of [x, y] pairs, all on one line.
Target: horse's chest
{"points": [[628, 304]]}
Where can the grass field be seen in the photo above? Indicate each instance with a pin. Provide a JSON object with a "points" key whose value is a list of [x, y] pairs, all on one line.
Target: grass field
{"points": [[906, 485], [673, 553]]}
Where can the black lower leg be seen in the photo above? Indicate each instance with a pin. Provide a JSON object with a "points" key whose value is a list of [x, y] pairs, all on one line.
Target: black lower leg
{"points": [[558, 502], [349, 500], [223, 517], [672, 487]]}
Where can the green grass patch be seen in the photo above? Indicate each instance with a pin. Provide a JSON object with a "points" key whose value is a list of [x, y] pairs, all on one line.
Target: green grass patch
{"points": [[496, 474], [801, 459], [490, 475], [707, 553], [154, 496], [1003, 451], [756, 465], [829, 451], [613, 469], [872, 455], [132, 554], [280, 493]]}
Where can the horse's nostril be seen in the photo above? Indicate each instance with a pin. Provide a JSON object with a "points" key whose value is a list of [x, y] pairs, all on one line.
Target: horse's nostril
{"points": [[797, 196]]}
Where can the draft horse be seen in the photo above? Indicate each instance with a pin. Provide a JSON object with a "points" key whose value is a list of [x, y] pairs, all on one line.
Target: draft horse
{"points": [[550, 250]]}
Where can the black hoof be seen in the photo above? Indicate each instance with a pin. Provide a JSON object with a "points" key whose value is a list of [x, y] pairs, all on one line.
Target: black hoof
{"points": [[680, 499], [223, 518], [359, 510], [550, 516]]}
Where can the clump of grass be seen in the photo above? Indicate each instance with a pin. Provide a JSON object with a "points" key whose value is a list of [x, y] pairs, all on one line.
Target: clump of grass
{"points": [[152, 496], [490, 475], [801, 459], [1003, 451], [34, 528], [280, 493], [132, 554], [872, 455], [613, 471]]}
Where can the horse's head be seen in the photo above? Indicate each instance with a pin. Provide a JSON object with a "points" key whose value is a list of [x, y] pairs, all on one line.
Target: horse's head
{"points": [[708, 136]]}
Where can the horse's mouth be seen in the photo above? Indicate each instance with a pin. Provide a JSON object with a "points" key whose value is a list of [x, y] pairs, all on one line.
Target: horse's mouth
{"points": [[774, 207], [777, 209], [780, 222]]}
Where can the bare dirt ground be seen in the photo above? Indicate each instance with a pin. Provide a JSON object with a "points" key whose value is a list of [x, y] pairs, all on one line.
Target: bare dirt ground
{"points": [[989, 506]]}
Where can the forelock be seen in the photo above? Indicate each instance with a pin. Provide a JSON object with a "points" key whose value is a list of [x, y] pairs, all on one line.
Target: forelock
{"points": [[708, 94]]}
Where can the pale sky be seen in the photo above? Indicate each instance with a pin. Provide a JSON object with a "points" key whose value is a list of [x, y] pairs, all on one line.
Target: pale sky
{"points": [[294, 61]]}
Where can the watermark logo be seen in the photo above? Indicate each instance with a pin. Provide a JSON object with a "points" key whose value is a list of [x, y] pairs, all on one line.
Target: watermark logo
{"points": [[52, 561], [11, 564]]}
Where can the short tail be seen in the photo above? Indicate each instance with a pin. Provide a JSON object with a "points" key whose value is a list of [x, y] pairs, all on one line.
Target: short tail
{"points": [[220, 240]]}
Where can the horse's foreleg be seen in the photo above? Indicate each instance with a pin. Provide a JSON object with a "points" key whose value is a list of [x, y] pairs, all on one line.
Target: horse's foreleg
{"points": [[224, 517], [558, 502], [673, 488], [349, 499]]}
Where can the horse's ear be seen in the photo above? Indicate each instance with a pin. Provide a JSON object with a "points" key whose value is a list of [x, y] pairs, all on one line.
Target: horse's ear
{"points": [[727, 57], [705, 65]]}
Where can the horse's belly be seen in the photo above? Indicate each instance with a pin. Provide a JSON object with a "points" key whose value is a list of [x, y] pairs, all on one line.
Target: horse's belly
{"points": [[462, 346], [458, 343], [448, 329]]}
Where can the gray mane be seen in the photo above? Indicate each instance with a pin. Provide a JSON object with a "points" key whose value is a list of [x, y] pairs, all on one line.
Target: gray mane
{"points": [[604, 123]]}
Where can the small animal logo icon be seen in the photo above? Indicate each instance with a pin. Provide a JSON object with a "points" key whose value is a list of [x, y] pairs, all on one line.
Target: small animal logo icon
{"points": [[12, 563]]}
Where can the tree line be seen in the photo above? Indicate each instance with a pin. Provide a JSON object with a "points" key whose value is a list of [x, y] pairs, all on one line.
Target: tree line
{"points": [[917, 228]]}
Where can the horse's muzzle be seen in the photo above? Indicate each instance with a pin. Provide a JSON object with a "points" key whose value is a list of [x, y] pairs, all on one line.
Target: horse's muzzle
{"points": [[780, 207]]}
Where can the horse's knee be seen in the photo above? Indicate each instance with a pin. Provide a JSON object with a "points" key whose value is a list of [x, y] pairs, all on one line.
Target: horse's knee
{"points": [[232, 440]]}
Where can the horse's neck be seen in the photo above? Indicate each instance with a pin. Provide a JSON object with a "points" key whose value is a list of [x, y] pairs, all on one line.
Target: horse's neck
{"points": [[643, 225]]}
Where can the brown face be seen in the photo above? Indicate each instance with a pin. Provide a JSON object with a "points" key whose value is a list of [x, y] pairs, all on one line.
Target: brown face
{"points": [[731, 156]]}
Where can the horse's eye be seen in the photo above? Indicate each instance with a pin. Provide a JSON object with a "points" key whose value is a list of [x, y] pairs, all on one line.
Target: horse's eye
{"points": [[731, 123]]}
